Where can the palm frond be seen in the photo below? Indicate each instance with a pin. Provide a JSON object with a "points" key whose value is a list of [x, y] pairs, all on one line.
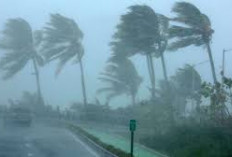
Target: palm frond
{"points": [[120, 77], [11, 65], [185, 42], [17, 41], [105, 89], [187, 13], [137, 31], [62, 41], [179, 32], [17, 35]]}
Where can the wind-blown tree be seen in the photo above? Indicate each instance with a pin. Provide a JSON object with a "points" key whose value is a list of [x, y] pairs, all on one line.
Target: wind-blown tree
{"points": [[136, 34], [62, 42], [187, 81], [194, 29], [163, 23], [20, 45], [184, 85], [121, 77]]}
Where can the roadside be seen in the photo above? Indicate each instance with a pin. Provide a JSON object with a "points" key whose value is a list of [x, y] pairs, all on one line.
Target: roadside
{"points": [[112, 141]]}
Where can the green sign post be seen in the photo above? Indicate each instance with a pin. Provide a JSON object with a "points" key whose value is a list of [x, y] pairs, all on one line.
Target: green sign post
{"points": [[132, 129]]}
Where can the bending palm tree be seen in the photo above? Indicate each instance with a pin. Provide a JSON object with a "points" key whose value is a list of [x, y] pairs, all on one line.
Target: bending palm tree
{"points": [[136, 34], [163, 41], [122, 78], [63, 42], [20, 46], [195, 29]]}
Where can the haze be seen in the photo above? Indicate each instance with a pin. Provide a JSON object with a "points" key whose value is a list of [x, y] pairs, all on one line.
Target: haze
{"points": [[97, 20]]}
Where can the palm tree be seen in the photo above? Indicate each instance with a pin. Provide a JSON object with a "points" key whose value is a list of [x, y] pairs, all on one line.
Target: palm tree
{"points": [[63, 42], [20, 45], [121, 78], [194, 29], [163, 23], [136, 34]]}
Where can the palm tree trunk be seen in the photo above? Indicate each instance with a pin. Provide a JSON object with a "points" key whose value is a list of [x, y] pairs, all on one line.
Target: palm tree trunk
{"points": [[163, 63], [211, 62], [151, 73], [40, 98], [83, 82], [164, 67]]}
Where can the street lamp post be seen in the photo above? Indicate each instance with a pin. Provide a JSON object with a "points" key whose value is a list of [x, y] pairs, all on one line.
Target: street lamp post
{"points": [[223, 61]]}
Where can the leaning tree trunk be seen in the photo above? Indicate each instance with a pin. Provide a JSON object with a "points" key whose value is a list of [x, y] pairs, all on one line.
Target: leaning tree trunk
{"points": [[211, 62], [151, 73], [83, 82], [40, 98], [163, 63], [164, 67]]}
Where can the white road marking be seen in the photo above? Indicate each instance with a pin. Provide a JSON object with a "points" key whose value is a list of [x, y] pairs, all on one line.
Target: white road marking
{"points": [[83, 144]]}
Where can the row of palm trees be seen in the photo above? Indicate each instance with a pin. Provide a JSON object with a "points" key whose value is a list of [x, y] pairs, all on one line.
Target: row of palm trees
{"points": [[140, 31], [143, 31], [59, 40]]}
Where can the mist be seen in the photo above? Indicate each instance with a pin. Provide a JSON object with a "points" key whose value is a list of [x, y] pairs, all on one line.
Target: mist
{"points": [[97, 20]]}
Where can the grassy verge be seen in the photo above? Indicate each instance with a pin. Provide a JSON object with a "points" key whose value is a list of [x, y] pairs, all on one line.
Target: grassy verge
{"points": [[77, 130], [122, 143], [114, 141]]}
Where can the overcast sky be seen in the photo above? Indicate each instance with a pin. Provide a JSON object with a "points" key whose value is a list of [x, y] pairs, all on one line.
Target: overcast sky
{"points": [[97, 19]]}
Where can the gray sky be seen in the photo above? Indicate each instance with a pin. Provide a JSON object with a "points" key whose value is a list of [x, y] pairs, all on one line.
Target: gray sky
{"points": [[98, 19]]}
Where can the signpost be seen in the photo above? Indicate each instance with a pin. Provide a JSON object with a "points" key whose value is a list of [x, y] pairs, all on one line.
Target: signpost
{"points": [[132, 129]]}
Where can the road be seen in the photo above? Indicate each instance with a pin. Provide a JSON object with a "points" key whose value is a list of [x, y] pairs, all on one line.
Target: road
{"points": [[41, 140]]}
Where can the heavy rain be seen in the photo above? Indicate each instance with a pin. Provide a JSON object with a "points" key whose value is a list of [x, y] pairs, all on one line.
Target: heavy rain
{"points": [[115, 78]]}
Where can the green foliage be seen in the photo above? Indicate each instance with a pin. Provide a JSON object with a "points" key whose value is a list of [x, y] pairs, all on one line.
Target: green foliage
{"points": [[137, 31], [62, 41], [20, 48], [193, 140], [187, 81], [121, 78], [194, 29]]}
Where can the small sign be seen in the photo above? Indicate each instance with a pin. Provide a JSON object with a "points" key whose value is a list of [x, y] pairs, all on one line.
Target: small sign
{"points": [[132, 125]]}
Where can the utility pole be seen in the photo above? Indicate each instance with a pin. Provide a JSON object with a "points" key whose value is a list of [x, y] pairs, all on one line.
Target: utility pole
{"points": [[223, 61]]}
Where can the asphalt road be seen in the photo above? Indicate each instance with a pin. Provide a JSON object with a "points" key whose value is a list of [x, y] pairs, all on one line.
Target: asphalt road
{"points": [[41, 141]]}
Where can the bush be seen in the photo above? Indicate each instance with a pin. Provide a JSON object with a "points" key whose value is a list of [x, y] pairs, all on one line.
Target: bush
{"points": [[194, 141]]}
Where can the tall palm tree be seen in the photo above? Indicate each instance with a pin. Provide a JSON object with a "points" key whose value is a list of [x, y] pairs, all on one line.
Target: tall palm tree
{"points": [[194, 29], [136, 34], [62, 42], [163, 23], [121, 78], [20, 45]]}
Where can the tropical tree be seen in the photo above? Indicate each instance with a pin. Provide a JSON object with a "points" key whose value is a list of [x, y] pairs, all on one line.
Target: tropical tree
{"points": [[121, 78], [184, 85], [187, 81], [62, 42], [136, 34], [194, 29], [163, 23], [20, 45]]}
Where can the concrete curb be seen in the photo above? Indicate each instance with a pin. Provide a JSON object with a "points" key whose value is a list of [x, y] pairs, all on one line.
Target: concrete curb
{"points": [[100, 150]]}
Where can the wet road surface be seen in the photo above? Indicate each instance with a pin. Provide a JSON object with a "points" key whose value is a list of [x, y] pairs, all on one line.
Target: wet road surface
{"points": [[41, 141]]}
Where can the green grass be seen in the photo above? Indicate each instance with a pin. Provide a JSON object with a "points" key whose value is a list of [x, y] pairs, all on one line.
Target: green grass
{"points": [[121, 143]]}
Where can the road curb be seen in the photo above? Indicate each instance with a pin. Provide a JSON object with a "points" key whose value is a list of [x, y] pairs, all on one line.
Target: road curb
{"points": [[96, 147]]}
